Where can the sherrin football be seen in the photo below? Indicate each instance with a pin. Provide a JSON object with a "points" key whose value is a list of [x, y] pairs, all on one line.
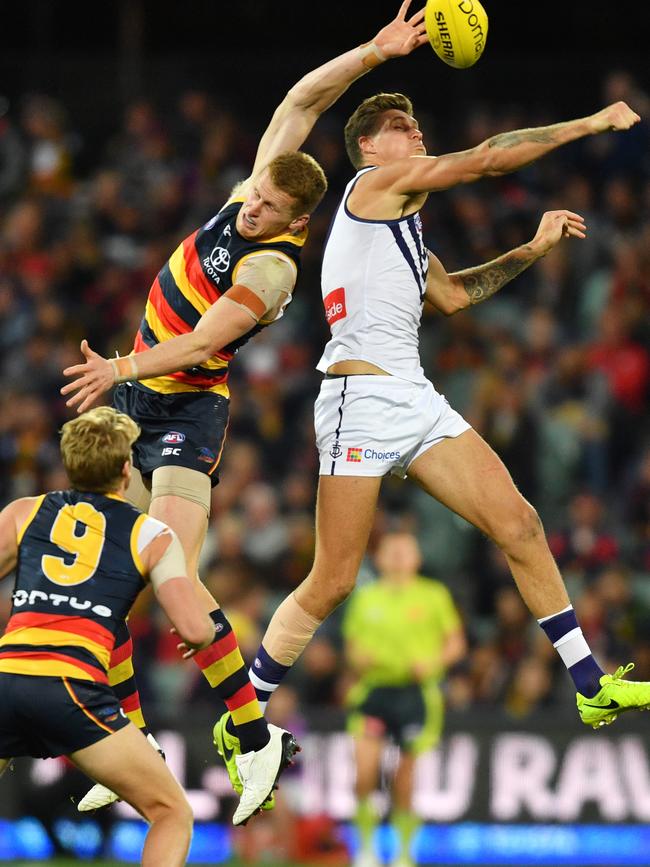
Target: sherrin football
{"points": [[457, 30]]}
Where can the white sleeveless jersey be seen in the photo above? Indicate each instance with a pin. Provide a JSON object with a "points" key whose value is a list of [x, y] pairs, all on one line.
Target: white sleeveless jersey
{"points": [[373, 282]]}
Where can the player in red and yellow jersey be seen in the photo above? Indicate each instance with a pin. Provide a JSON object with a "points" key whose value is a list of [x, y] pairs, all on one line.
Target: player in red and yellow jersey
{"points": [[81, 557], [230, 278]]}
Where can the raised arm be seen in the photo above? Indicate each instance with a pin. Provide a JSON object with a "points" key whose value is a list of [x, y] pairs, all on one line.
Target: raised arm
{"points": [[318, 90], [498, 155], [450, 293]]}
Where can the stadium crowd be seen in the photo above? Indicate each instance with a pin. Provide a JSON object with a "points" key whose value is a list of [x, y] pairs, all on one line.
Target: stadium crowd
{"points": [[554, 372]]}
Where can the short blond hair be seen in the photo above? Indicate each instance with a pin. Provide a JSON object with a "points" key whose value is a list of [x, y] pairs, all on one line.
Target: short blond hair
{"points": [[301, 177], [366, 120], [95, 446]]}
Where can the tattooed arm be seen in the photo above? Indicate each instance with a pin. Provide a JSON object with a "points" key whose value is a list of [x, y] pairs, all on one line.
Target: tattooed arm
{"points": [[498, 155], [450, 293]]}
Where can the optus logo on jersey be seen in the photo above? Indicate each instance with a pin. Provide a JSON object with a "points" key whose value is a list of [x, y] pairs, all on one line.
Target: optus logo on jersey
{"points": [[334, 303], [22, 597]]}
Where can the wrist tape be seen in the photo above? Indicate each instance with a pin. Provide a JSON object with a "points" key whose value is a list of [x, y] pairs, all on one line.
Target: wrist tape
{"points": [[124, 368], [371, 55]]}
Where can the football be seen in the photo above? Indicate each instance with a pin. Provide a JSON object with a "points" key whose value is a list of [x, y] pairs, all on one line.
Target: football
{"points": [[457, 30]]}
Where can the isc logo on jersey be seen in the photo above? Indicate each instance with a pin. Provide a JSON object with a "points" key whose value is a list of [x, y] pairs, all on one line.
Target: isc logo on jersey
{"points": [[173, 437], [334, 303]]}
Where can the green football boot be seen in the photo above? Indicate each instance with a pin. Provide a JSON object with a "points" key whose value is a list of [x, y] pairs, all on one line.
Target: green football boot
{"points": [[614, 697], [228, 747]]}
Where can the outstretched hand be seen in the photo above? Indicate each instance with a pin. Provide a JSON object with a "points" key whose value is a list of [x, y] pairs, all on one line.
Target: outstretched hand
{"points": [[402, 36], [556, 225], [93, 378]]}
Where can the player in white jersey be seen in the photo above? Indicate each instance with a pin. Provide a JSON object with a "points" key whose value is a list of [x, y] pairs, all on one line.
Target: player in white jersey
{"points": [[377, 413]]}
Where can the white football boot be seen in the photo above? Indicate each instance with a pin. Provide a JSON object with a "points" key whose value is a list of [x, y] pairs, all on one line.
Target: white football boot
{"points": [[259, 771]]}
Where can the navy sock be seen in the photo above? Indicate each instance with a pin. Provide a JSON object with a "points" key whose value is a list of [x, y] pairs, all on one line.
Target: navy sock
{"points": [[266, 675], [567, 638]]}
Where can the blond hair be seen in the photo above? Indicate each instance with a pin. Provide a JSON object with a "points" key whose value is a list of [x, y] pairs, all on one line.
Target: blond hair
{"points": [[95, 446], [366, 120], [301, 177]]}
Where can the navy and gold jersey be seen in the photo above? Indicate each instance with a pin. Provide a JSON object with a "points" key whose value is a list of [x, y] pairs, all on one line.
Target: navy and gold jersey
{"points": [[77, 576], [202, 268]]}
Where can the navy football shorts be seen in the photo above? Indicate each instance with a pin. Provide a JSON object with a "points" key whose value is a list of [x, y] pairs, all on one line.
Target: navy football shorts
{"points": [[412, 715], [179, 430], [46, 717]]}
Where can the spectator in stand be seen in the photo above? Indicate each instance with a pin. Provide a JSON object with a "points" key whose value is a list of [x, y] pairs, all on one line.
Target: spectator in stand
{"points": [[625, 363], [637, 512], [586, 544], [50, 147], [12, 155]]}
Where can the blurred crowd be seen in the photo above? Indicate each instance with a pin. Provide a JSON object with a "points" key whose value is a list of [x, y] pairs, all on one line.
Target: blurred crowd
{"points": [[554, 372]]}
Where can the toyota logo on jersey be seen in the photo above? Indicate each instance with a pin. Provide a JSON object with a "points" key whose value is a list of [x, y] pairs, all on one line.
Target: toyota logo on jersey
{"points": [[335, 306], [220, 259]]}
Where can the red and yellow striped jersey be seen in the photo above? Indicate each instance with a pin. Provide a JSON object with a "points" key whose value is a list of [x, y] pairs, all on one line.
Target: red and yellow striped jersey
{"points": [[200, 270], [77, 577]]}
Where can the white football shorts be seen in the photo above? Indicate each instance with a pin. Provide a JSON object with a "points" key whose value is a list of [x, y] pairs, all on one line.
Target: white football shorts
{"points": [[370, 425]]}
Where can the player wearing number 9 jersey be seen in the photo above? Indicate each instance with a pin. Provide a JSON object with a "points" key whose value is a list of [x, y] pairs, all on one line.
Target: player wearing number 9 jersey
{"points": [[79, 571], [81, 557]]}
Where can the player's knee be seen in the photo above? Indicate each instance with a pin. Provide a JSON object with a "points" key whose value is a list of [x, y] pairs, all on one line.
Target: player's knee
{"points": [[185, 814], [171, 804], [333, 580], [522, 527], [340, 588]]}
